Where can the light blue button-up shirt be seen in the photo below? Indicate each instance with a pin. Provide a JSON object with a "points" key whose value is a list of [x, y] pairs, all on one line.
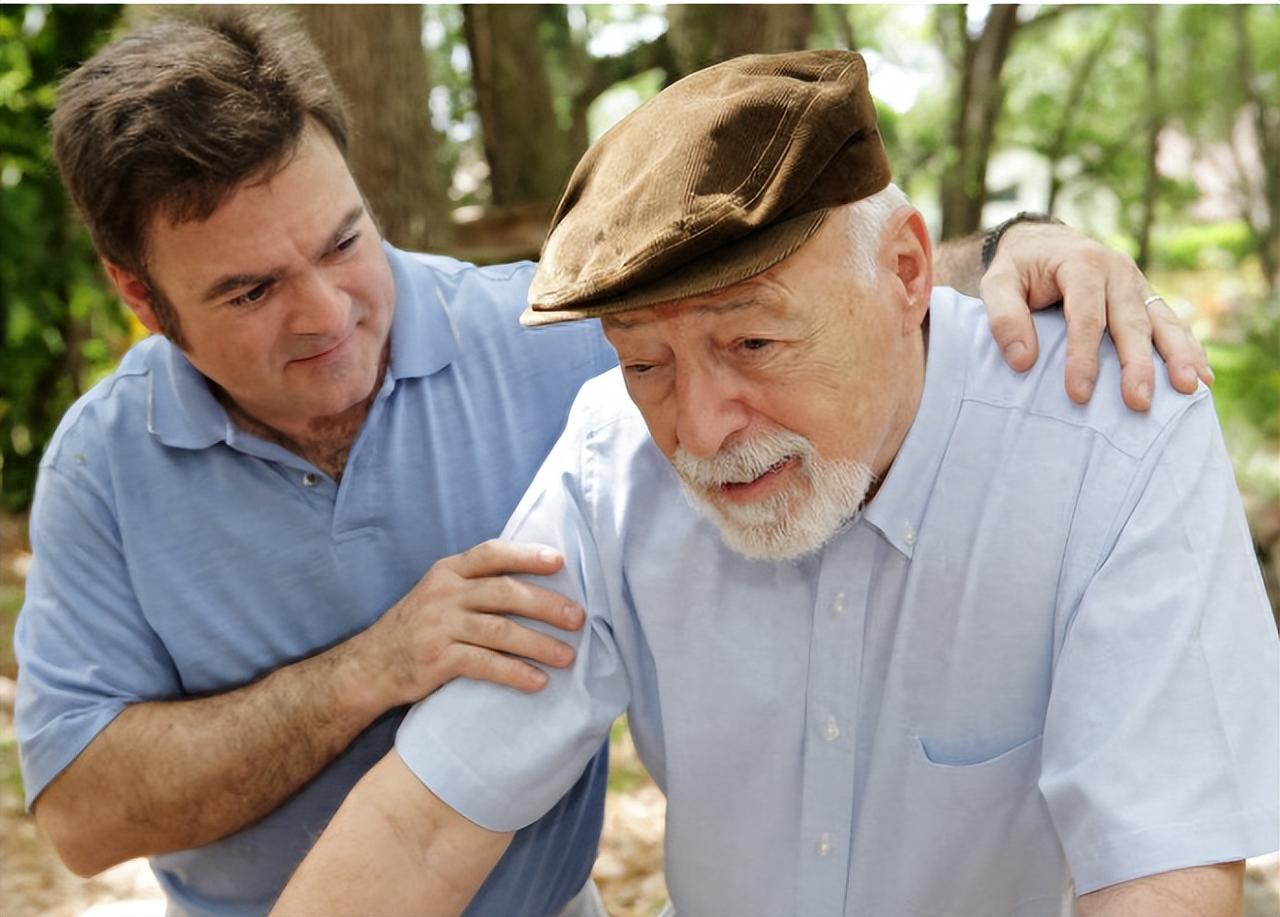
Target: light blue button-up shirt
{"points": [[177, 555], [1039, 662]]}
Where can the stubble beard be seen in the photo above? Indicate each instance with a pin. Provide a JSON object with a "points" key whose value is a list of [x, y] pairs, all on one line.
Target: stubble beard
{"points": [[789, 524]]}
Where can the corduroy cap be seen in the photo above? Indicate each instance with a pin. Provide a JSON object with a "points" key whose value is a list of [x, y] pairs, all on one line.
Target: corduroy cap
{"points": [[712, 181]]}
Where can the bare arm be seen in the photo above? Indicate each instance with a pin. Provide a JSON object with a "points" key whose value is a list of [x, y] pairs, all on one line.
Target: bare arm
{"points": [[1204, 891], [393, 848], [1039, 264], [957, 263], [171, 775]]}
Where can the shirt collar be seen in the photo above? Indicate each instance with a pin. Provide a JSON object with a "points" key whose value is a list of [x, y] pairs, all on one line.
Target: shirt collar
{"points": [[898, 508], [423, 338], [182, 411]]}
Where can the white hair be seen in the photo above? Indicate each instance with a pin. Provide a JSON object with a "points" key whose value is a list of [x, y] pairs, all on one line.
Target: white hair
{"points": [[866, 222]]}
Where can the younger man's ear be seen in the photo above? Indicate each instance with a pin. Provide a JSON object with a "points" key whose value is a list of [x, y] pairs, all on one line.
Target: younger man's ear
{"points": [[135, 293], [909, 256]]}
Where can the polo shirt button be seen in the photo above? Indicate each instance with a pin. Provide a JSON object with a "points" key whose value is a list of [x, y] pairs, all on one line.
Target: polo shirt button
{"points": [[824, 845], [908, 533], [310, 479], [839, 606], [831, 729]]}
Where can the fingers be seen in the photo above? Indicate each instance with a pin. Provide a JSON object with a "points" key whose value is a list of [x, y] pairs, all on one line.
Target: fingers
{"points": [[1131, 333], [488, 644], [495, 557], [1185, 360], [501, 634], [468, 661], [1084, 304], [504, 595], [1100, 290], [1010, 319]]}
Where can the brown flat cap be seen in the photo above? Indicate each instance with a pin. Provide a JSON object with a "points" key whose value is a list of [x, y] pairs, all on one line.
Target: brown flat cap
{"points": [[713, 181]]}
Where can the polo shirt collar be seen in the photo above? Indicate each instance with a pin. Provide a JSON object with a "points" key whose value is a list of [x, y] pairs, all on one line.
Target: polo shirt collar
{"points": [[423, 338], [182, 411], [898, 508]]}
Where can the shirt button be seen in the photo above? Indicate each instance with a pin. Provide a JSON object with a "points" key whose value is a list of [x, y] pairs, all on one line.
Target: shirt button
{"points": [[310, 479], [831, 729], [839, 606], [824, 844], [908, 533]]}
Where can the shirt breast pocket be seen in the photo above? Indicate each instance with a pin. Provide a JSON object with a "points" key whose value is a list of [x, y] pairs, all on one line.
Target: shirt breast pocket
{"points": [[984, 842]]}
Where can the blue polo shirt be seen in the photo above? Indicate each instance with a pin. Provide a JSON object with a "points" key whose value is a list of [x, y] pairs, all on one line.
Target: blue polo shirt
{"points": [[176, 555], [1039, 662]]}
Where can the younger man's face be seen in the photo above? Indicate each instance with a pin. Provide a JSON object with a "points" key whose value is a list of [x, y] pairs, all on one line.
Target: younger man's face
{"points": [[283, 295]]}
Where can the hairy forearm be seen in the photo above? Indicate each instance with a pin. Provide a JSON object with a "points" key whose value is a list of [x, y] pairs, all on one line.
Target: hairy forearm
{"points": [[393, 848], [957, 263], [1203, 891], [171, 775]]}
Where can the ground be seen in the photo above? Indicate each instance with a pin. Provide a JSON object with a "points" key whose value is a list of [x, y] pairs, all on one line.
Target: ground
{"points": [[33, 883]]}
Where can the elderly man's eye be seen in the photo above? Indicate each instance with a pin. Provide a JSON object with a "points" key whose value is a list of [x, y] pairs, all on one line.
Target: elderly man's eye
{"points": [[755, 343], [638, 369]]}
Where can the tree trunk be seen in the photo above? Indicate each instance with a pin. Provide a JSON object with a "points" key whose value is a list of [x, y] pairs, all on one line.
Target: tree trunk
{"points": [[529, 154], [376, 56], [700, 35], [979, 96], [1154, 122]]}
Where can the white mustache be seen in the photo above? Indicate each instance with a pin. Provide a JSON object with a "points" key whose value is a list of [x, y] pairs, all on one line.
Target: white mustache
{"points": [[743, 462], [781, 526]]}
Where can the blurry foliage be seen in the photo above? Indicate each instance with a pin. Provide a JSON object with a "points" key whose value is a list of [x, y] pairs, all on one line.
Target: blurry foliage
{"points": [[1204, 245], [1247, 387], [59, 327]]}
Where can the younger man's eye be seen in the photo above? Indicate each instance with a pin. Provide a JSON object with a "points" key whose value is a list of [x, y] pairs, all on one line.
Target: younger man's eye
{"points": [[249, 297]]}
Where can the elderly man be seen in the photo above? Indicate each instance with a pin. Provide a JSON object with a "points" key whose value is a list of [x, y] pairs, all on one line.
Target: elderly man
{"points": [[897, 630]]}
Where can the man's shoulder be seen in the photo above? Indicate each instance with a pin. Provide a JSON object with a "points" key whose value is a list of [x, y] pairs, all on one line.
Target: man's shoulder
{"points": [[507, 281], [604, 405], [116, 406], [605, 430], [1040, 391], [482, 305]]}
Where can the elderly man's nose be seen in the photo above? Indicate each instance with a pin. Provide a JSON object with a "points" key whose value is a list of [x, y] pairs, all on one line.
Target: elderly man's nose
{"points": [[708, 413]]}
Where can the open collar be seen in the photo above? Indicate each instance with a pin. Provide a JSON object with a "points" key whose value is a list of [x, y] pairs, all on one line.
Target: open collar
{"points": [[899, 507]]}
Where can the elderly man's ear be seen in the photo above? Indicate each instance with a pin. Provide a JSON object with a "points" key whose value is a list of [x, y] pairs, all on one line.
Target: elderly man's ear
{"points": [[908, 254]]}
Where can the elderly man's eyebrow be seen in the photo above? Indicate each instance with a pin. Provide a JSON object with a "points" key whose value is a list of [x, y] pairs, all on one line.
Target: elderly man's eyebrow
{"points": [[224, 285]]}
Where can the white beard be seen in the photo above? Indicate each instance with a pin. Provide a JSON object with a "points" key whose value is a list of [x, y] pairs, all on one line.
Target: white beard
{"points": [[787, 524]]}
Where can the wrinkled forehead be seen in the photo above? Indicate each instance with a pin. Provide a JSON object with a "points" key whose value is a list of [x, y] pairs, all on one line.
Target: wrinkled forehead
{"points": [[751, 298]]}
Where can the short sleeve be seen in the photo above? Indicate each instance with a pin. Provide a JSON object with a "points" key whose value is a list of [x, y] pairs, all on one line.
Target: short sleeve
{"points": [[497, 756], [1162, 737], [85, 651]]}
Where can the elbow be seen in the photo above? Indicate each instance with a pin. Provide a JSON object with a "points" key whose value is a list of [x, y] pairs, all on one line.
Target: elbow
{"points": [[81, 852]]}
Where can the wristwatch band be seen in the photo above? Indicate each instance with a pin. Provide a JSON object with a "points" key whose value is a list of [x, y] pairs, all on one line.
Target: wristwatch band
{"points": [[992, 239]]}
